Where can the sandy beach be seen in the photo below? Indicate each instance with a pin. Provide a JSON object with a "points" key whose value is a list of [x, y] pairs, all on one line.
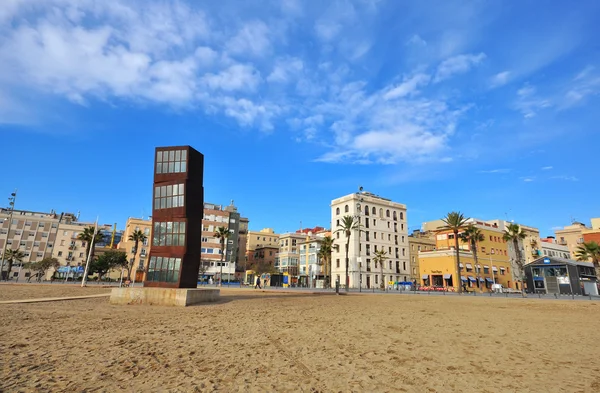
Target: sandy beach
{"points": [[265, 341]]}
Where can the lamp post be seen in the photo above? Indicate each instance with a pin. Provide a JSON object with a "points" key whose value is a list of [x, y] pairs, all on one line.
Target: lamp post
{"points": [[11, 207], [358, 258]]}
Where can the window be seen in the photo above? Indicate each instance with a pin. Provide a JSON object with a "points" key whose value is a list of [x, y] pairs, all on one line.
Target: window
{"points": [[173, 161], [163, 269], [401, 216], [338, 223], [337, 211], [374, 222], [169, 234], [380, 213], [366, 210], [387, 213], [166, 197], [404, 265], [60, 253], [346, 209], [394, 216], [146, 231], [374, 235], [80, 255], [337, 264]]}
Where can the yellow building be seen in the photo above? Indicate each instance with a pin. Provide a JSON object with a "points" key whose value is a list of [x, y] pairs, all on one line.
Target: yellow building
{"points": [[264, 237], [438, 268], [571, 236], [128, 246], [418, 241]]}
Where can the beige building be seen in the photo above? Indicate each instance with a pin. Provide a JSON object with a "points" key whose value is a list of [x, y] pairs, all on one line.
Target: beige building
{"points": [[262, 238], [383, 226], [530, 246], [418, 241], [288, 257], [128, 246], [571, 236]]}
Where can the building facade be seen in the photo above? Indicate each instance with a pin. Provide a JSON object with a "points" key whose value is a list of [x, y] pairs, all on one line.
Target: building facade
{"points": [[139, 258], [549, 247], [288, 258], [592, 234], [554, 275], [264, 237], [571, 236], [438, 268], [216, 216], [383, 226], [418, 241], [310, 267]]}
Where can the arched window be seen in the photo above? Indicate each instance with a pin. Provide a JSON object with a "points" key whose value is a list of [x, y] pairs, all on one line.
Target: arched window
{"points": [[346, 209], [374, 210], [387, 213], [395, 217], [337, 211], [401, 216], [366, 210], [381, 213]]}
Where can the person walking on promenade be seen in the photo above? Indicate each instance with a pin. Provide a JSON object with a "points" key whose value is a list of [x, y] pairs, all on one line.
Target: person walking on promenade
{"points": [[257, 283]]}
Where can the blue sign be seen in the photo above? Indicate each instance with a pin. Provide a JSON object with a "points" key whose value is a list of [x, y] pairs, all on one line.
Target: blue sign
{"points": [[546, 260]]}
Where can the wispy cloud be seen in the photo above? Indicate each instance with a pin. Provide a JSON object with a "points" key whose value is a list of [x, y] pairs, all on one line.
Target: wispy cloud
{"points": [[527, 179], [502, 170], [547, 168], [500, 79], [528, 103], [565, 178], [457, 65]]}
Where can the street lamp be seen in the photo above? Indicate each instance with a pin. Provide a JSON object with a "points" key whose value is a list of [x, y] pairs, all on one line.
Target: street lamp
{"points": [[11, 208], [358, 258]]}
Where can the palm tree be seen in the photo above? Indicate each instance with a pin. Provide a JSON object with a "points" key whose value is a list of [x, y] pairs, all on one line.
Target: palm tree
{"points": [[222, 234], [325, 255], [473, 236], [347, 225], [137, 237], [86, 236], [455, 221], [11, 256], [514, 234], [380, 257], [590, 250]]}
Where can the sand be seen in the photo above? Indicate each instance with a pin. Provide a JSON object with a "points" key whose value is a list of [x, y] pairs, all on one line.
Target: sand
{"points": [[260, 341]]}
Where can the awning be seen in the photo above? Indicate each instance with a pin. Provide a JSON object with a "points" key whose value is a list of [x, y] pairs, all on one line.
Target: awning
{"points": [[481, 279], [461, 265], [486, 267], [447, 276], [503, 269], [471, 278], [489, 280], [425, 276], [463, 278], [469, 266], [478, 266], [494, 268]]}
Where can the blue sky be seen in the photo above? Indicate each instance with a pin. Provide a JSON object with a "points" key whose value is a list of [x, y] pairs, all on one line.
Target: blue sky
{"points": [[486, 107]]}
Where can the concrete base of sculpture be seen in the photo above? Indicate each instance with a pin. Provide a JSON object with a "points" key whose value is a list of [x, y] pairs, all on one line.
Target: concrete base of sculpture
{"points": [[163, 296]]}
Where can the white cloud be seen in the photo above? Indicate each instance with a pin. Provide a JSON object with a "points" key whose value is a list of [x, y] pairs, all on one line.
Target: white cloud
{"points": [[566, 178], [547, 168], [500, 79], [327, 30], [285, 69], [408, 86], [528, 103], [236, 77], [502, 170], [252, 39], [585, 84], [527, 179], [457, 65], [416, 40]]}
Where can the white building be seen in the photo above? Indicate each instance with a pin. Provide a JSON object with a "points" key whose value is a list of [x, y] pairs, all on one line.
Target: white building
{"points": [[550, 248], [383, 226]]}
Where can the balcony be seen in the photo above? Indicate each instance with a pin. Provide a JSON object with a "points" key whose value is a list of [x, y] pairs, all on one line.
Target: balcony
{"points": [[72, 248]]}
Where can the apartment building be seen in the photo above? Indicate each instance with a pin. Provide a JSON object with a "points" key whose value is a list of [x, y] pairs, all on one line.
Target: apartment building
{"points": [[262, 256], [529, 246], [288, 258], [438, 268], [262, 238], [418, 241], [549, 247], [592, 234], [571, 236], [216, 216], [39, 235], [383, 226], [140, 257], [310, 266]]}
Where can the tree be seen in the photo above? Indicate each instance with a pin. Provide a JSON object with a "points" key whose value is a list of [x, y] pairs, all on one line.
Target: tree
{"points": [[514, 234], [347, 225], [590, 250], [90, 233], [379, 258], [11, 256], [108, 261], [41, 267], [455, 221], [472, 235], [222, 234], [325, 256], [261, 267], [137, 237]]}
